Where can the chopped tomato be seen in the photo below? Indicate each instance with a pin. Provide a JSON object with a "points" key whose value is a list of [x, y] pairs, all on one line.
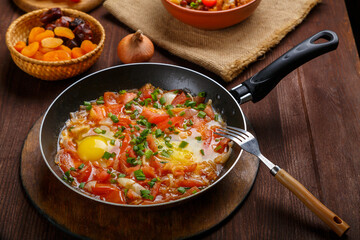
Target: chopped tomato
{"points": [[179, 99], [209, 3], [110, 98], [154, 117], [155, 189], [85, 173], [96, 113], [126, 97], [114, 109], [116, 196], [190, 168], [191, 183], [151, 142], [146, 91], [221, 146], [65, 161], [103, 176], [148, 171], [198, 99], [131, 194], [130, 170], [174, 122], [209, 111]]}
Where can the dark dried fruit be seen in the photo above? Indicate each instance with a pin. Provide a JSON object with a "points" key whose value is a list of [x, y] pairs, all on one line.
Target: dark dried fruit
{"points": [[51, 15], [64, 21], [71, 43], [50, 26], [83, 32], [76, 22]]}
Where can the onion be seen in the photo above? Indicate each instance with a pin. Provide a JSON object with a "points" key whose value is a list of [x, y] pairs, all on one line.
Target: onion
{"points": [[135, 47]]}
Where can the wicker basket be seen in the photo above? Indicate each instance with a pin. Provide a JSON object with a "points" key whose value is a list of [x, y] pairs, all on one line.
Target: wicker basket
{"points": [[19, 31]]}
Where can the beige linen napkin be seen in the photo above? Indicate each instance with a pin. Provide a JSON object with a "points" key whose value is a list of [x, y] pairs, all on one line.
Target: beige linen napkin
{"points": [[225, 52]]}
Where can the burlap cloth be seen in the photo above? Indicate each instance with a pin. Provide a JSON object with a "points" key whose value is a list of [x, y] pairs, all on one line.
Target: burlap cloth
{"points": [[225, 52]]}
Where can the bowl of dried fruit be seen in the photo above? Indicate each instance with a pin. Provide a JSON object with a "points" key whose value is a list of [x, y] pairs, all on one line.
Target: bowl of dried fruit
{"points": [[54, 44]]}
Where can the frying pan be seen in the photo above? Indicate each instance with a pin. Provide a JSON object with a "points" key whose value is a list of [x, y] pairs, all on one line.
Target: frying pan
{"points": [[174, 77]]}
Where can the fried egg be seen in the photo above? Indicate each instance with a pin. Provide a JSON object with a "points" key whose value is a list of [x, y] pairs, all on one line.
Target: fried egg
{"points": [[92, 148]]}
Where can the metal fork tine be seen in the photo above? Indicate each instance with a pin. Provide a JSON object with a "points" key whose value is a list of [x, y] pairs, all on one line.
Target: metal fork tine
{"points": [[235, 135], [240, 130], [236, 140], [239, 134]]}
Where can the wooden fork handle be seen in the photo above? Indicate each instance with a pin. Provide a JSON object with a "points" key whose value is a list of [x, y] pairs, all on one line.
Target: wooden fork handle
{"points": [[325, 214]]}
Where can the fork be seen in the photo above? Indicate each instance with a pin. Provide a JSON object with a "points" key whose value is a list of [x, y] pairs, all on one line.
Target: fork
{"points": [[249, 143]]}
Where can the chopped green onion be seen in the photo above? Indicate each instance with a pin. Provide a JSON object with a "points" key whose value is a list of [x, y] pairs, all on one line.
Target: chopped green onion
{"points": [[202, 152], [216, 117], [113, 181], [114, 118], [98, 130], [183, 144], [162, 101], [201, 106], [181, 190], [146, 194], [201, 114], [122, 91], [171, 114], [169, 122], [198, 138], [82, 185], [158, 133], [128, 106], [156, 105], [190, 123], [139, 175], [182, 113], [190, 103], [202, 94], [108, 155], [149, 154], [112, 142], [168, 107], [72, 169], [217, 148], [121, 175], [81, 166], [100, 102], [168, 144]]}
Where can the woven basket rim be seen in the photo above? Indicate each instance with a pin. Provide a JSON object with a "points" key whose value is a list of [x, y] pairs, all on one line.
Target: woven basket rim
{"points": [[86, 56]]}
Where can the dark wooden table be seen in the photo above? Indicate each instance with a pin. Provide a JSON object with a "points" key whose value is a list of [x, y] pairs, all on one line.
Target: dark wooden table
{"points": [[309, 125]]}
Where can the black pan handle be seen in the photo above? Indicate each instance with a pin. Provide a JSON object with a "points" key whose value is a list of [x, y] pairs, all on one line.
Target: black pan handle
{"points": [[259, 85]]}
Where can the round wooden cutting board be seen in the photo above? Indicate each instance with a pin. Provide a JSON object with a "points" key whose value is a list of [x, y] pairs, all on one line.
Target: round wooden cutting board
{"points": [[87, 218], [31, 5]]}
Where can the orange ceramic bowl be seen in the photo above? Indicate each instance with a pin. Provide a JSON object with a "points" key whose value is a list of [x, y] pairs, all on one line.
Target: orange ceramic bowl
{"points": [[211, 20]]}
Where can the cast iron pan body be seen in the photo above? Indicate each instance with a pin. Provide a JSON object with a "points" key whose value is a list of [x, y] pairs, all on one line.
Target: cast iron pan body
{"points": [[170, 77]]}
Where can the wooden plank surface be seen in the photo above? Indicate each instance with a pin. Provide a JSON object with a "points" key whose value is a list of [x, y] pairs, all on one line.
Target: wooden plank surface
{"points": [[309, 125]]}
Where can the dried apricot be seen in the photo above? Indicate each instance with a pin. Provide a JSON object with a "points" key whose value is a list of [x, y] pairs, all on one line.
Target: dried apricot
{"points": [[45, 50], [65, 48], [34, 32], [88, 46], [19, 46], [38, 55], [57, 55], [30, 50], [46, 34], [64, 32], [51, 42], [77, 52]]}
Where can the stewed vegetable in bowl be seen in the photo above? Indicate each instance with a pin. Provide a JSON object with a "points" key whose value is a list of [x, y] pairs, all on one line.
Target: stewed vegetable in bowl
{"points": [[211, 14]]}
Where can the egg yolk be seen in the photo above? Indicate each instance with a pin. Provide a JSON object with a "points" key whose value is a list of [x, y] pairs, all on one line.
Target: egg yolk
{"points": [[92, 148]]}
